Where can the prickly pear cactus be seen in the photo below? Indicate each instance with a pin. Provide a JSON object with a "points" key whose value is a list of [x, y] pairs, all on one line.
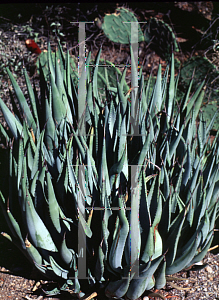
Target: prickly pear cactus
{"points": [[162, 37], [203, 67], [117, 26]]}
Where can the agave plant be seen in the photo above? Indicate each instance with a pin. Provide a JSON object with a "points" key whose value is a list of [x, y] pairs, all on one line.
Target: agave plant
{"points": [[109, 208]]}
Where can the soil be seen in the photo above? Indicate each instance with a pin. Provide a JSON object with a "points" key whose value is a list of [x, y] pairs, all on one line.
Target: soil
{"points": [[18, 279]]}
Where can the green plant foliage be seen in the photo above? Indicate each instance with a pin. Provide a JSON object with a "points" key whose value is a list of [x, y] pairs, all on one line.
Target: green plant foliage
{"points": [[203, 68], [108, 77], [82, 200], [162, 37], [61, 57], [117, 26]]}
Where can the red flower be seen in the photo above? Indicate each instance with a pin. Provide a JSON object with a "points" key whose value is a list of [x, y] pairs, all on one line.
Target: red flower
{"points": [[32, 46]]}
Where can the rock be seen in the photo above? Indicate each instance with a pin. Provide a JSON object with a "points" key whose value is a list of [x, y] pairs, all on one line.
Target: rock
{"points": [[209, 269]]}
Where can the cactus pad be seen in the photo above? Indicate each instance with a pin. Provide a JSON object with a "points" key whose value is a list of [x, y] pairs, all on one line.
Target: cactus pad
{"points": [[116, 28], [162, 37]]}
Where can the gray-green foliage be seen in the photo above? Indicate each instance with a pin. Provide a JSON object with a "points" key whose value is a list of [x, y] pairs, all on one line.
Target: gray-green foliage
{"points": [[107, 72], [167, 175]]}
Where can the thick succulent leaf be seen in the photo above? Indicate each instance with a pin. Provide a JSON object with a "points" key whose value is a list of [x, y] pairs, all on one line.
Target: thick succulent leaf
{"points": [[211, 124], [27, 134], [210, 190], [41, 177], [53, 204], [151, 191], [135, 237], [61, 57], [173, 237], [149, 247], [166, 184], [16, 228], [33, 253], [89, 104], [138, 285], [50, 127], [156, 99], [122, 138], [37, 157], [38, 232], [92, 172], [160, 281], [195, 102], [34, 184], [201, 253], [122, 230], [186, 98], [95, 74], [112, 118], [68, 75], [44, 270], [187, 167], [103, 172], [59, 271], [117, 288], [144, 150], [123, 81], [82, 100], [85, 225], [11, 222], [205, 227], [181, 262], [158, 244], [32, 99], [59, 110], [66, 253], [213, 217], [51, 65], [122, 99], [117, 167], [175, 142], [171, 91], [22, 102], [99, 268], [72, 177], [134, 82], [13, 124], [193, 183], [59, 80], [80, 145], [20, 161], [156, 207]]}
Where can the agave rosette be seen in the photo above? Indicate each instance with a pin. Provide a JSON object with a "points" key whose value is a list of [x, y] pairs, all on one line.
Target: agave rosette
{"points": [[156, 190]]}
